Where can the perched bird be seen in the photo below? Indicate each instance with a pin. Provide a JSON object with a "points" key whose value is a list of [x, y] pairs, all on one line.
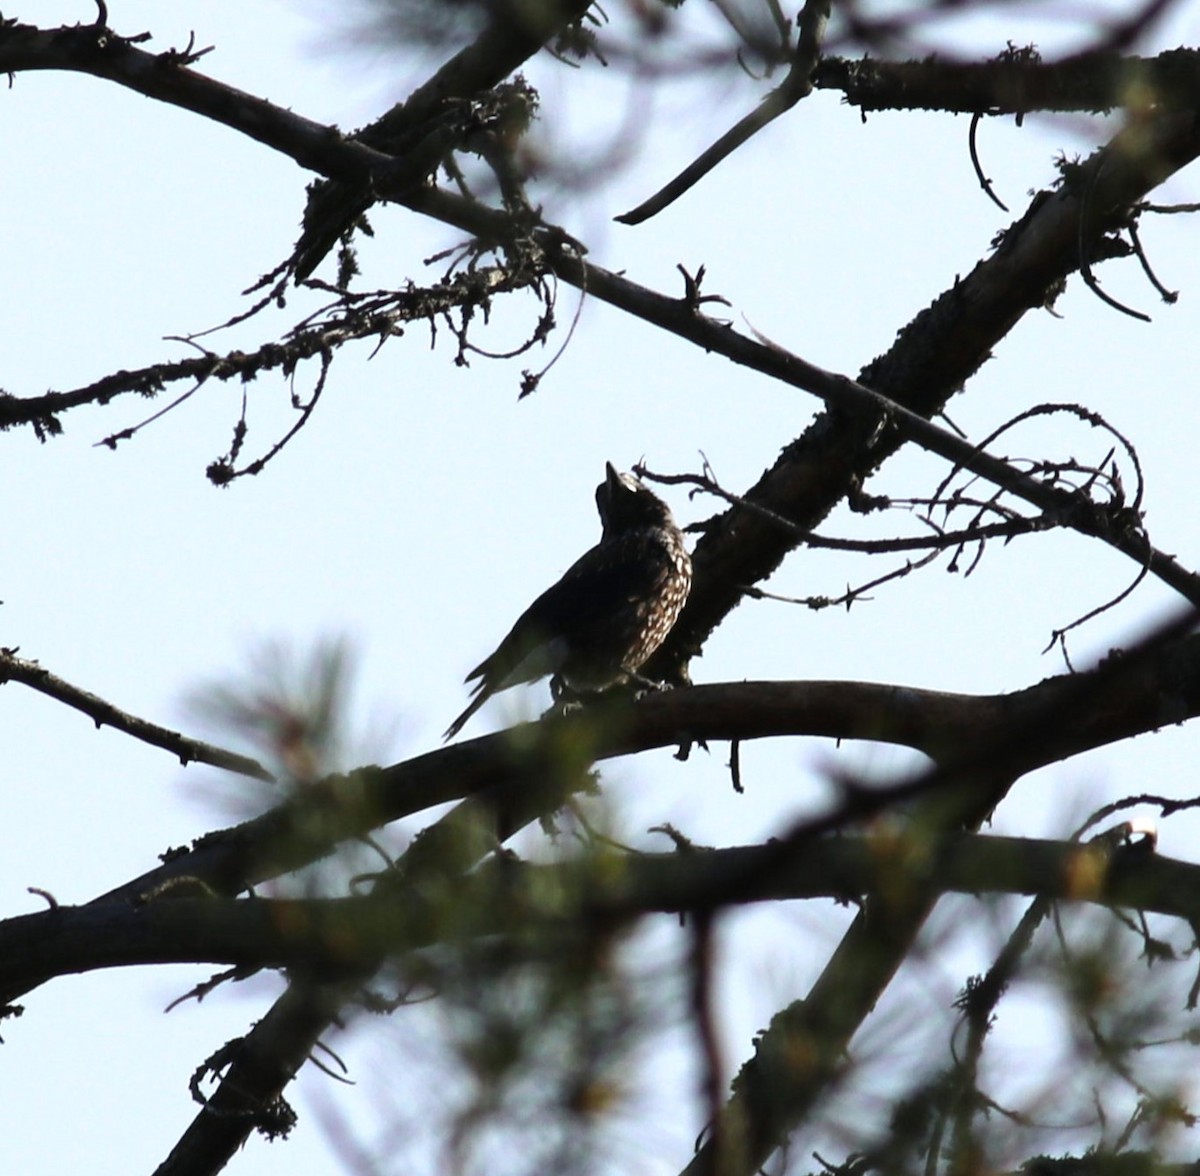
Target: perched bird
{"points": [[611, 610]]}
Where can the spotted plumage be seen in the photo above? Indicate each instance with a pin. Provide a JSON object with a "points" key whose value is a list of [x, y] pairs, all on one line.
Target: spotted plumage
{"points": [[612, 608]]}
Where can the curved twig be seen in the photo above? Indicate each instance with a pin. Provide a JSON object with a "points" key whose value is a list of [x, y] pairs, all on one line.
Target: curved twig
{"points": [[1058, 637], [984, 182], [1168, 296], [1087, 415], [1085, 265]]}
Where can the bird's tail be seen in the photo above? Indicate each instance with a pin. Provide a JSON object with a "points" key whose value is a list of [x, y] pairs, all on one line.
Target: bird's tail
{"points": [[461, 721]]}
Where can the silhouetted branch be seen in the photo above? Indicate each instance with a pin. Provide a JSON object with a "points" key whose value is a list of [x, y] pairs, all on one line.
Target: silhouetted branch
{"points": [[375, 315], [796, 86], [104, 714], [1137, 693], [931, 360], [1016, 82], [344, 935]]}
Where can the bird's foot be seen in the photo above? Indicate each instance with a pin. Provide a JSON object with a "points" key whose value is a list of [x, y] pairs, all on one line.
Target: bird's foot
{"points": [[566, 700], [644, 685], [632, 686]]}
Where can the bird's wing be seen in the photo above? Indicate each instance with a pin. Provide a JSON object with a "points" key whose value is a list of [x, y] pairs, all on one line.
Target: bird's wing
{"points": [[595, 586], [632, 567]]}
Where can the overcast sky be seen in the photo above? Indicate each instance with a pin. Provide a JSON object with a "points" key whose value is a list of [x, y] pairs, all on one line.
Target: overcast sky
{"points": [[425, 506]]}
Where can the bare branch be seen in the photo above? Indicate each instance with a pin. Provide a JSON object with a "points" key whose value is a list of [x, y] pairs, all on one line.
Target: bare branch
{"points": [[378, 315], [796, 86], [104, 714], [358, 933], [1146, 691], [931, 359], [984, 182], [1016, 82], [104, 54]]}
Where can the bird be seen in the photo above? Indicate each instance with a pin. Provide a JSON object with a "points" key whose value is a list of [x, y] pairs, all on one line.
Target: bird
{"points": [[611, 609]]}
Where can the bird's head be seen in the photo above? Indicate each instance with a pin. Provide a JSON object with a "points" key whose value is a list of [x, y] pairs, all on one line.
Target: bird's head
{"points": [[625, 503]]}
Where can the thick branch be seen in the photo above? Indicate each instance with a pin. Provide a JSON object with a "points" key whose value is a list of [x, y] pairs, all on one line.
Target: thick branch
{"points": [[1024, 736], [857, 409], [931, 360], [336, 935], [101, 53], [250, 1094], [1149, 692], [821, 1027], [1018, 82]]}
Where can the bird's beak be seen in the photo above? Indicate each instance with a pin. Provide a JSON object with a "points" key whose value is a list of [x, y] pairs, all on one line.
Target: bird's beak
{"points": [[611, 476]]}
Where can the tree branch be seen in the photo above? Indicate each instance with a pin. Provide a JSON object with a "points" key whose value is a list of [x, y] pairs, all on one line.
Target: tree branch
{"points": [[932, 358], [103, 713], [857, 408], [797, 85], [344, 934], [1144, 694], [1017, 82], [375, 317], [165, 76], [249, 1096], [514, 34], [1039, 243]]}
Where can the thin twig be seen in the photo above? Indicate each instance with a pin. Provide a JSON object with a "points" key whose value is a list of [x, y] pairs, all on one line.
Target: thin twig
{"points": [[794, 87], [1168, 296], [103, 713], [1085, 264], [984, 182]]}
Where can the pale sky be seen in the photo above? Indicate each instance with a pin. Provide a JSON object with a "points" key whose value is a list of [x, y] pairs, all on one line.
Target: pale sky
{"points": [[424, 506]]}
